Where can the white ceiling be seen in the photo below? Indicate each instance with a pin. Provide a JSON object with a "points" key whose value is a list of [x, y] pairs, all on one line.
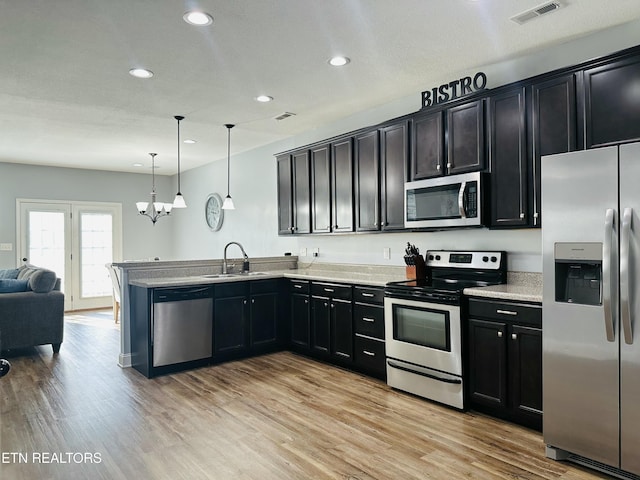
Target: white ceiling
{"points": [[66, 97]]}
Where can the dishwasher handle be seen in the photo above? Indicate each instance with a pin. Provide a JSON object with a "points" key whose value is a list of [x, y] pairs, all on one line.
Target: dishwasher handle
{"points": [[177, 294]]}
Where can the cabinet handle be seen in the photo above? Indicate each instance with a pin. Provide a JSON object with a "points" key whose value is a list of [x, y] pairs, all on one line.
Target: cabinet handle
{"points": [[365, 294], [306, 301], [367, 319], [507, 312], [438, 167], [253, 300], [333, 305], [328, 290], [535, 215], [326, 304], [514, 336], [244, 302], [499, 334], [522, 215], [297, 286], [335, 226], [367, 352], [449, 165], [375, 224]]}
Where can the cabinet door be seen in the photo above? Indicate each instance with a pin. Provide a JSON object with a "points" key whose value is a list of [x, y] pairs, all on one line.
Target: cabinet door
{"points": [[487, 363], [321, 325], [300, 320], [301, 193], [229, 333], [525, 362], [465, 129], [285, 195], [427, 159], [394, 143], [508, 159], [342, 185], [553, 129], [341, 329], [320, 190], [612, 103], [367, 182], [264, 319]]}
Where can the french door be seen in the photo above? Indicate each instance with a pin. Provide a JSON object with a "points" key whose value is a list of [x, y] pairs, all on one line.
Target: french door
{"points": [[76, 240]]}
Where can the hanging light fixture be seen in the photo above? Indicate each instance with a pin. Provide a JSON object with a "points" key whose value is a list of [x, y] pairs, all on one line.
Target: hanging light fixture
{"points": [[154, 210], [228, 202], [179, 202]]}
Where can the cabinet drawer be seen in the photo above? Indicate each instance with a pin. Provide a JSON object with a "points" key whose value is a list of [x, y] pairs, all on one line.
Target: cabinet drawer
{"points": [[506, 311], [369, 320], [299, 286], [332, 290], [368, 295], [370, 355]]}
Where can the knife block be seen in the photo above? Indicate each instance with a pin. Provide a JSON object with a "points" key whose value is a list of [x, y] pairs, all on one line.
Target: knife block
{"points": [[417, 271]]}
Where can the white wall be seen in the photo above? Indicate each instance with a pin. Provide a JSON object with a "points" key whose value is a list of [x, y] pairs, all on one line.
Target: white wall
{"points": [[140, 238]]}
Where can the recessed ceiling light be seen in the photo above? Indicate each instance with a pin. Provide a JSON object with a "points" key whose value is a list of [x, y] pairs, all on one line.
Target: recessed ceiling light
{"points": [[189, 140], [198, 18], [264, 98], [339, 61], [141, 73]]}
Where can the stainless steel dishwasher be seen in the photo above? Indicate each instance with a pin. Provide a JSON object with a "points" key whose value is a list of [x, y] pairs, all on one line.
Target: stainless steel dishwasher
{"points": [[181, 325]]}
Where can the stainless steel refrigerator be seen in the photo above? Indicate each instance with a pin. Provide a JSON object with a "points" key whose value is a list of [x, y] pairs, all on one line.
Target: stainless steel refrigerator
{"points": [[591, 307]]}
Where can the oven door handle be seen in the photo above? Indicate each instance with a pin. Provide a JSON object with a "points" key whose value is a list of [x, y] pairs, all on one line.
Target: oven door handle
{"points": [[393, 364]]}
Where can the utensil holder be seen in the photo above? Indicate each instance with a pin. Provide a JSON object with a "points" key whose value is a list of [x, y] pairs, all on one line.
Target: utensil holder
{"points": [[418, 271]]}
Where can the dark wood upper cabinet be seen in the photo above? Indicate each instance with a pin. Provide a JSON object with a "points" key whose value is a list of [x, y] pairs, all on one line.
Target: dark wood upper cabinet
{"points": [[301, 193], [508, 158], [342, 185], [465, 144], [285, 195], [612, 102], [320, 190], [553, 120], [394, 149], [427, 155], [367, 181]]}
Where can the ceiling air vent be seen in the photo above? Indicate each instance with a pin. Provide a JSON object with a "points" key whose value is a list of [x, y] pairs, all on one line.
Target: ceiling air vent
{"points": [[284, 115], [536, 12]]}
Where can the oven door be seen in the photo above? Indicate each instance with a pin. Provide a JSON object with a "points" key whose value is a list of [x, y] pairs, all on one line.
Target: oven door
{"points": [[424, 334]]}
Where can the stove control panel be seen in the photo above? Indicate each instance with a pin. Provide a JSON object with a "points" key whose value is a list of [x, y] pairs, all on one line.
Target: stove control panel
{"points": [[486, 260]]}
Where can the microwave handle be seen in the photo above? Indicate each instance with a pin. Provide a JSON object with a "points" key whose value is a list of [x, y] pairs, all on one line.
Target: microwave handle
{"points": [[463, 187]]}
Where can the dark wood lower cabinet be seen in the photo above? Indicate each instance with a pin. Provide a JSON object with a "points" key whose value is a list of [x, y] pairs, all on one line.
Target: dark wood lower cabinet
{"points": [[504, 364]]}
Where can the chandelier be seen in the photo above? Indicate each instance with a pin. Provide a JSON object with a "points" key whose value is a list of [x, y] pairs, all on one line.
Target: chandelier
{"points": [[154, 210]]}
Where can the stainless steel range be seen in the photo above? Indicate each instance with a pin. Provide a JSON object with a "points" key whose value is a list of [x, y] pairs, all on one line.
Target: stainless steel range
{"points": [[423, 326]]}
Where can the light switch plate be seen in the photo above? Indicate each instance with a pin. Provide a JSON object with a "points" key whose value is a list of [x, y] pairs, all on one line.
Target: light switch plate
{"points": [[6, 247], [386, 253], [303, 252]]}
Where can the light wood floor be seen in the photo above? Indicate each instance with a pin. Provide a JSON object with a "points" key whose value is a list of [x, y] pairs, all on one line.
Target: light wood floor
{"points": [[280, 416]]}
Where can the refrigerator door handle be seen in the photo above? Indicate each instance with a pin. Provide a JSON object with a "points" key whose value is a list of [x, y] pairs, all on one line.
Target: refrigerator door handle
{"points": [[607, 283], [625, 298]]}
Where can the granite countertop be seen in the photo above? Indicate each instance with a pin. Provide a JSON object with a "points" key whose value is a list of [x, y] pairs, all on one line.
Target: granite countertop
{"points": [[347, 275], [520, 286]]}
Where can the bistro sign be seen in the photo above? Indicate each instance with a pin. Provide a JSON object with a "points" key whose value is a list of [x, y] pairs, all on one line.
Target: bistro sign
{"points": [[455, 89]]}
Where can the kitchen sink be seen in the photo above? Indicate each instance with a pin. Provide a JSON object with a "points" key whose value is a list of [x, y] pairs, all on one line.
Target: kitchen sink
{"points": [[227, 275]]}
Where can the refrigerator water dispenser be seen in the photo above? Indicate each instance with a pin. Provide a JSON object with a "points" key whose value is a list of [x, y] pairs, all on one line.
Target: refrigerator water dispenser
{"points": [[578, 272]]}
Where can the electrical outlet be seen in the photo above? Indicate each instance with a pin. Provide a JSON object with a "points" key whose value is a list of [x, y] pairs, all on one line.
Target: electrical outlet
{"points": [[316, 252], [6, 247], [303, 252], [386, 253]]}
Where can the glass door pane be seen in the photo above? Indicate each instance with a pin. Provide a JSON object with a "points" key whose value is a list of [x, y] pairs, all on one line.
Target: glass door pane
{"points": [[46, 241], [96, 250]]}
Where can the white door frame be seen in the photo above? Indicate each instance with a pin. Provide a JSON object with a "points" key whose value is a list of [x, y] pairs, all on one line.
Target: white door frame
{"points": [[72, 209]]}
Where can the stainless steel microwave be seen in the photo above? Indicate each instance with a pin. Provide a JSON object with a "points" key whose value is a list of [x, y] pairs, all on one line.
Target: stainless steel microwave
{"points": [[445, 202]]}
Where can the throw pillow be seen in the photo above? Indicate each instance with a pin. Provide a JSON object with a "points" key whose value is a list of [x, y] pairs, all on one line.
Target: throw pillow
{"points": [[11, 285], [11, 273], [42, 281]]}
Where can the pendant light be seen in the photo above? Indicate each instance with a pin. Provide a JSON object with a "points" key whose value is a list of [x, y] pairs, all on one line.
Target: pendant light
{"points": [[154, 210], [228, 202], [179, 202]]}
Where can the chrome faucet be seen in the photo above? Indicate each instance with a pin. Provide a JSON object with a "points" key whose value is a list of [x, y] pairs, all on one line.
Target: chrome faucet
{"points": [[245, 264]]}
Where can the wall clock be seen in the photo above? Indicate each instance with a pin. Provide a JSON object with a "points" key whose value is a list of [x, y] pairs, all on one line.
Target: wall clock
{"points": [[213, 212]]}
